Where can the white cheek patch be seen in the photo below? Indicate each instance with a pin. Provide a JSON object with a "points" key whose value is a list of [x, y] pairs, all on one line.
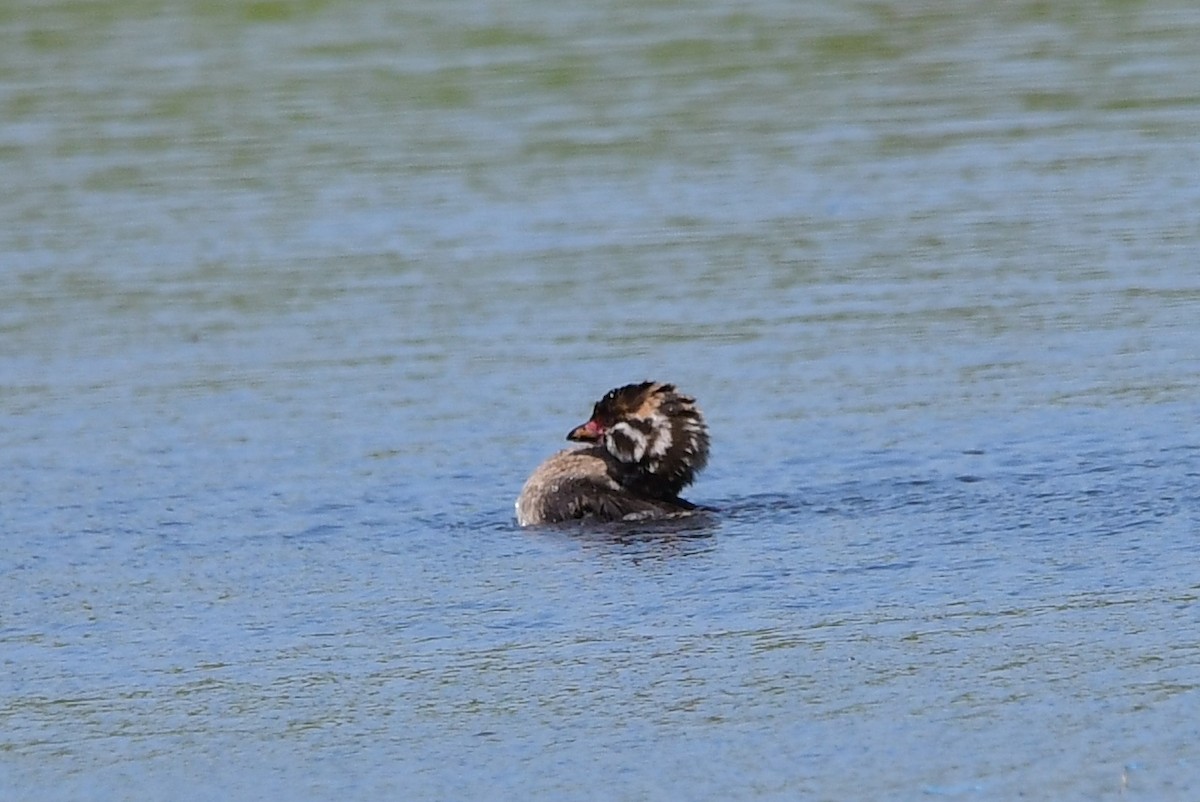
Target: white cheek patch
{"points": [[625, 443], [661, 444]]}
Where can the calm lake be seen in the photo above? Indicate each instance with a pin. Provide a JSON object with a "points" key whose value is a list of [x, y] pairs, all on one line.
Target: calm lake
{"points": [[294, 295]]}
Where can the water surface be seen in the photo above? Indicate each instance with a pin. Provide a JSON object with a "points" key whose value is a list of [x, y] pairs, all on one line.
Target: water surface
{"points": [[295, 295]]}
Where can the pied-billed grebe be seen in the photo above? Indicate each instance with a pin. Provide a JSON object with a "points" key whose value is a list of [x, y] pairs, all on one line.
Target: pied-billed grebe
{"points": [[646, 442]]}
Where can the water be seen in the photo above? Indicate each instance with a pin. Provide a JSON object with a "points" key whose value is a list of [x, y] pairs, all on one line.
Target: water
{"points": [[296, 295]]}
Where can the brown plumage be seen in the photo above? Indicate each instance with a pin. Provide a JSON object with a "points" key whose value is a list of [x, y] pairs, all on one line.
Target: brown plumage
{"points": [[646, 442]]}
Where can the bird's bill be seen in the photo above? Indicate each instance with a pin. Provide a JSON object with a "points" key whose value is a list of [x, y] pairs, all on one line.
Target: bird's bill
{"points": [[589, 432]]}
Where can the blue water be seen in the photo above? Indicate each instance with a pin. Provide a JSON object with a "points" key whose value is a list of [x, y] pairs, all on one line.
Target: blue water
{"points": [[294, 299]]}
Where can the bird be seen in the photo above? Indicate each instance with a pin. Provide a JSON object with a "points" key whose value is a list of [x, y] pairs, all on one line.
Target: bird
{"points": [[643, 444]]}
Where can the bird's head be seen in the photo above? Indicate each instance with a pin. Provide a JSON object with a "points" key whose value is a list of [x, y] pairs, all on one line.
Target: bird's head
{"points": [[652, 428]]}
